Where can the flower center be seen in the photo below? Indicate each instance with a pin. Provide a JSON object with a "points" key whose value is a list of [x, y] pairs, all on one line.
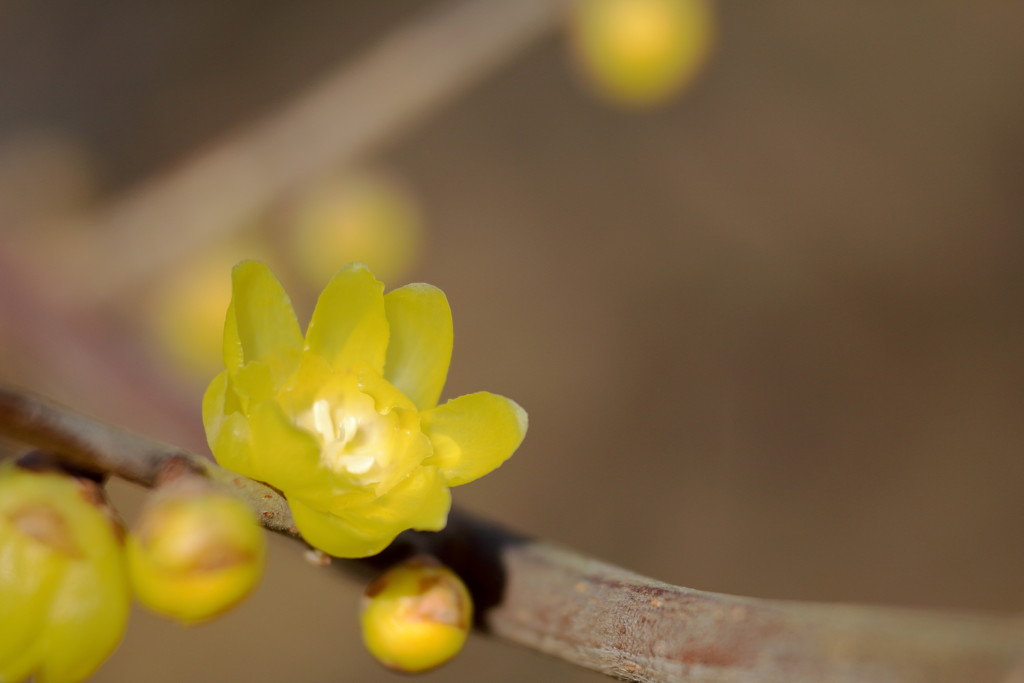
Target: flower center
{"points": [[355, 438], [368, 431]]}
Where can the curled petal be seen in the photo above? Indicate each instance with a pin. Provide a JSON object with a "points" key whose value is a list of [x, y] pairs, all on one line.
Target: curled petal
{"points": [[420, 349], [421, 501], [261, 323], [227, 431], [473, 434], [349, 326]]}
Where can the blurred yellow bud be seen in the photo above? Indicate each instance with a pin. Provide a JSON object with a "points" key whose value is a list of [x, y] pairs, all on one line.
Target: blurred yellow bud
{"points": [[416, 616], [63, 592], [367, 218], [195, 551], [187, 309], [641, 52]]}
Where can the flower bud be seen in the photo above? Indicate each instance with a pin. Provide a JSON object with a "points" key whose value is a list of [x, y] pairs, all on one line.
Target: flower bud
{"points": [[416, 616], [368, 217], [64, 595], [195, 551], [640, 52]]}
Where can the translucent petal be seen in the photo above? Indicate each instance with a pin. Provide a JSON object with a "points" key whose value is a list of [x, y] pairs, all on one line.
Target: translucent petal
{"points": [[421, 502], [283, 454], [229, 438], [349, 326], [214, 402], [252, 384], [333, 535], [473, 434], [420, 348], [261, 323]]}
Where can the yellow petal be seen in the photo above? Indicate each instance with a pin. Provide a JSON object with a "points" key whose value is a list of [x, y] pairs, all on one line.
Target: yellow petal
{"points": [[229, 442], [473, 434], [334, 535], [214, 400], [227, 431], [349, 326], [420, 348], [251, 385], [421, 501], [283, 454], [261, 323]]}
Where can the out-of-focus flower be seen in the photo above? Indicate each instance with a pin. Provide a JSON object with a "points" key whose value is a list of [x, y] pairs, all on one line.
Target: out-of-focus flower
{"points": [[195, 551], [345, 422], [367, 217], [416, 616], [63, 592], [641, 52], [187, 308]]}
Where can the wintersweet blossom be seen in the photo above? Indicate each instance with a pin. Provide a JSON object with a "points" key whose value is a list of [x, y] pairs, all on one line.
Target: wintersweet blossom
{"points": [[345, 421]]}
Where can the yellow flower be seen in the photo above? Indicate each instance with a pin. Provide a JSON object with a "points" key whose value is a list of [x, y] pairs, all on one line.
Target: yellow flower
{"points": [[345, 422], [63, 591]]}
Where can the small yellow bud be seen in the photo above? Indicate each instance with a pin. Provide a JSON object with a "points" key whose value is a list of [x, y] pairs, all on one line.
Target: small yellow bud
{"points": [[63, 591], [370, 218], [640, 52], [416, 616], [195, 551]]}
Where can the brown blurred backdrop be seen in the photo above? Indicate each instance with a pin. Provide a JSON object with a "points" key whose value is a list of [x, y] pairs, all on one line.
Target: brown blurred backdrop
{"points": [[769, 336]]}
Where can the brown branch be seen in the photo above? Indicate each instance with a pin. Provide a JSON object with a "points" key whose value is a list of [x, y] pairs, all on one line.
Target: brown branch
{"points": [[596, 615], [352, 112], [100, 447]]}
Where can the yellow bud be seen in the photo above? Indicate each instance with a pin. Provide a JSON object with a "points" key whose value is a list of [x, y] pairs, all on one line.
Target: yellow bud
{"points": [[416, 616], [63, 592], [640, 52], [367, 218], [195, 551]]}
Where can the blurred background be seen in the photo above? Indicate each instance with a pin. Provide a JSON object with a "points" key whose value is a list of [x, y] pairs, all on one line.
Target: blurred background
{"points": [[767, 322]]}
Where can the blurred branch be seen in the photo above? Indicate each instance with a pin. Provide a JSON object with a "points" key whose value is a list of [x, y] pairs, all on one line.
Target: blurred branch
{"points": [[53, 282], [352, 112], [596, 615]]}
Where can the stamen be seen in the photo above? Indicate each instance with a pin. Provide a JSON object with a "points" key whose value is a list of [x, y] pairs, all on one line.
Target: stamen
{"points": [[356, 464], [349, 427], [348, 439], [322, 420]]}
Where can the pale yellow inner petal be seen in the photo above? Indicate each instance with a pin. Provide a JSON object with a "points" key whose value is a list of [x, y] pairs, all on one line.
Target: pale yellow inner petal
{"points": [[370, 438]]}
